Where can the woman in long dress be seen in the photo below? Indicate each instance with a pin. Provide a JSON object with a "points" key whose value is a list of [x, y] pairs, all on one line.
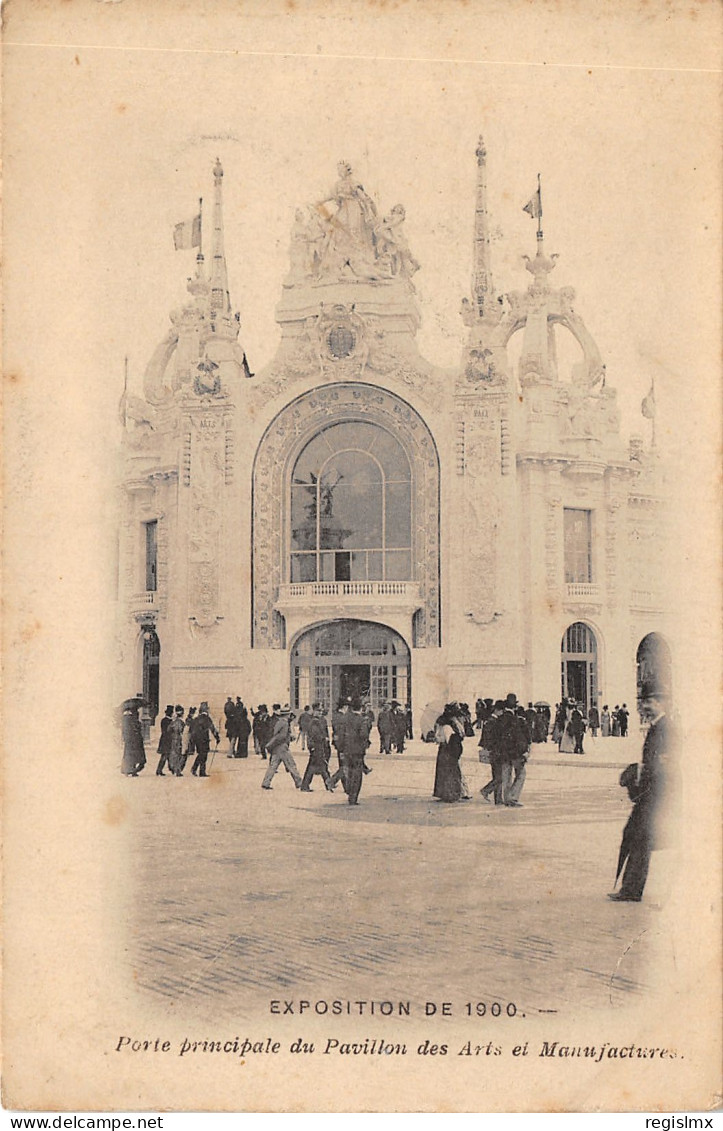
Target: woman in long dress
{"points": [[243, 730], [175, 758], [559, 725], [605, 722], [567, 739], [134, 754], [449, 785]]}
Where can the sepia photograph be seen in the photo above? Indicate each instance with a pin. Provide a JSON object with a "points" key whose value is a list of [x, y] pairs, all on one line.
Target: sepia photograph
{"points": [[362, 447]]}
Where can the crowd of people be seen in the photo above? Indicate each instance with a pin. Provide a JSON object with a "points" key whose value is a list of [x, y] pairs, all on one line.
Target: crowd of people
{"points": [[507, 732], [184, 734]]}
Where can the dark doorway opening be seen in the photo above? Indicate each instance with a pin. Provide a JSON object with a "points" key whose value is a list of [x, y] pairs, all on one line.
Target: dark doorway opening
{"points": [[577, 681], [354, 681]]}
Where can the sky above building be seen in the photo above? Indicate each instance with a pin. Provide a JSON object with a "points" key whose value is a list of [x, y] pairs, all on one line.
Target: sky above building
{"points": [[125, 135]]}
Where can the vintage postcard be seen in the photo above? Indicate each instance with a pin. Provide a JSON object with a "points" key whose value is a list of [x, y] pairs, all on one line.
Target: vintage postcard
{"points": [[362, 556]]}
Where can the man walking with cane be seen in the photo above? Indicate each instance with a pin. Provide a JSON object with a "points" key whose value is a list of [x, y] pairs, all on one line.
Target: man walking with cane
{"points": [[202, 728]]}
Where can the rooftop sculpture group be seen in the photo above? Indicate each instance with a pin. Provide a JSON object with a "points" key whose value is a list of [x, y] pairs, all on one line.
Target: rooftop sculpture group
{"points": [[343, 235]]}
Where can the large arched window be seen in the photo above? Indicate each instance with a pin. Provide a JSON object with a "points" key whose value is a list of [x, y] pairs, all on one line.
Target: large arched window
{"points": [[351, 507]]}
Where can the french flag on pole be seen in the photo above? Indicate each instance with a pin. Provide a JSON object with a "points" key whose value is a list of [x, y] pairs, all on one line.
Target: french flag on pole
{"points": [[187, 234]]}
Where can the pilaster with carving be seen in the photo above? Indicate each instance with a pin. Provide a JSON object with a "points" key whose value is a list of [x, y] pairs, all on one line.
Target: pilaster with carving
{"points": [[205, 476]]}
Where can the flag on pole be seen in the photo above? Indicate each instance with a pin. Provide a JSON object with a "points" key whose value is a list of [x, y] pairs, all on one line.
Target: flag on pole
{"points": [[648, 404], [534, 204], [187, 234]]}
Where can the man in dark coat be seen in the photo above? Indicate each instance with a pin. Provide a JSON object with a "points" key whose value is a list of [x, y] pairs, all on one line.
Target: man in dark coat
{"points": [[577, 728], [385, 728], [262, 729], [190, 737], [488, 746], [650, 786], [530, 717], [623, 715], [229, 711], [242, 728], [164, 742], [355, 742], [593, 719], [511, 745], [338, 728], [399, 727], [202, 728], [317, 738], [304, 720]]}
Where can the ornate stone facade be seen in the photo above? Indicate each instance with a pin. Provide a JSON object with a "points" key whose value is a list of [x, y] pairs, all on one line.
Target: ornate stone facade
{"points": [[499, 455]]}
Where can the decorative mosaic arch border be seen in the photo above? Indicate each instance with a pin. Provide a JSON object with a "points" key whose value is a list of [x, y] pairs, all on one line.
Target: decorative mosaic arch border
{"points": [[276, 454]]}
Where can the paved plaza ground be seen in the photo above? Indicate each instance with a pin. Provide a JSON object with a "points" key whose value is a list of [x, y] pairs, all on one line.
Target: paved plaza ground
{"points": [[242, 896]]}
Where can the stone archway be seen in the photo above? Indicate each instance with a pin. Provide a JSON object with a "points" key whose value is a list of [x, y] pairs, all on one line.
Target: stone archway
{"points": [[286, 436], [348, 658]]}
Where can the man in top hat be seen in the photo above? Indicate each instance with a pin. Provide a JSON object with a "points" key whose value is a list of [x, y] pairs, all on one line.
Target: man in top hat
{"points": [[202, 728], [190, 737], [164, 742], [651, 786]]}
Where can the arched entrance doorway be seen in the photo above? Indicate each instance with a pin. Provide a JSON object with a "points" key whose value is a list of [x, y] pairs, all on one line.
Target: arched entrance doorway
{"points": [[151, 673], [579, 665], [654, 664], [350, 657]]}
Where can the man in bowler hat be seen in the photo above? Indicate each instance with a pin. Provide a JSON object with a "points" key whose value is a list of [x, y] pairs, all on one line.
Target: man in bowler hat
{"points": [[650, 785]]}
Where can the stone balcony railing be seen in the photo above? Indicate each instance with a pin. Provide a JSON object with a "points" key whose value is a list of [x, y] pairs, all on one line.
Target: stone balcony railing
{"points": [[312, 590], [583, 591], [395, 601], [145, 602]]}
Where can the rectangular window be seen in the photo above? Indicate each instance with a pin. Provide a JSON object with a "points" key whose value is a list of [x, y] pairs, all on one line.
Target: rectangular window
{"points": [[578, 545], [151, 556]]}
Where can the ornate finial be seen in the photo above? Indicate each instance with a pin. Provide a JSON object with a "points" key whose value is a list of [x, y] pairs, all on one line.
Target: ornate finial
{"points": [[482, 289], [218, 169]]}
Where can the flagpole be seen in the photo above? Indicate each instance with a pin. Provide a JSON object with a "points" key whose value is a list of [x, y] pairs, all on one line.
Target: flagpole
{"points": [[200, 224], [539, 197]]}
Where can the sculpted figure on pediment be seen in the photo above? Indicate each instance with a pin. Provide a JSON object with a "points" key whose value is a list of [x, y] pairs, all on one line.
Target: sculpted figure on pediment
{"points": [[392, 247], [350, 217]]}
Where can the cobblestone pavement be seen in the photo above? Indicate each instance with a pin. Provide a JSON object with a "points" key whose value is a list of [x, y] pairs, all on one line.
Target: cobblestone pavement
{"points": [[242, 896]]}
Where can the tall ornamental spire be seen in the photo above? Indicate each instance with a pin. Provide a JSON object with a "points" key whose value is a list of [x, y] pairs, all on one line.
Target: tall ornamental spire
{"points": [[220, 300], [482, 277]]}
